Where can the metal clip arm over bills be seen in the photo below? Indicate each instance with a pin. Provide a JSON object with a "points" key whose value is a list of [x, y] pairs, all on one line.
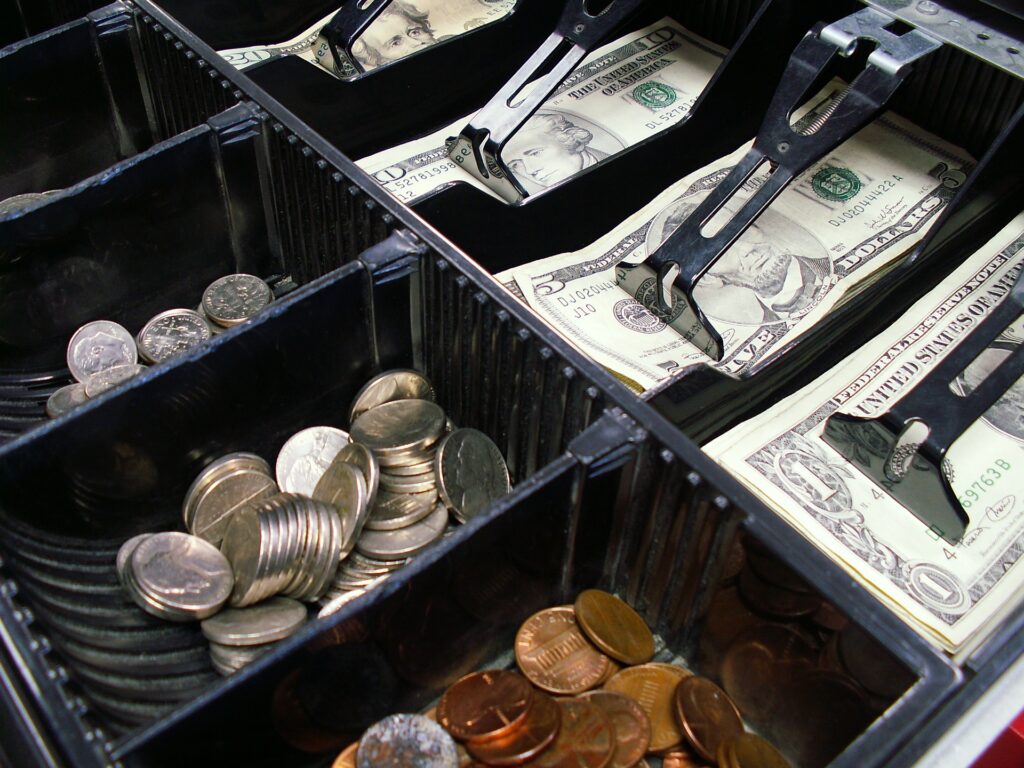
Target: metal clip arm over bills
{"points": [[479, 146], [692, 250], [346, 27], [903, 450]]}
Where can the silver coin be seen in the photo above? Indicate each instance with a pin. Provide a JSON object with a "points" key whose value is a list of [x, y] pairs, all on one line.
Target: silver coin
{"points": [[398, 511], [109, 378], [243, 546], [363, 458], [306, 456], [414, 484], [388, 387], [182, 573], [227, 659], [170, 333], [401, 741], [214, 328], [402, 459], [65, 399], [404, 542], [97, 346], [420, 468], [471, 473], [266, 622], [400, 426], [213, 471], [17, 202], [125, 553], [235, 298], [335, 603], [223, 497], [343, 486]]}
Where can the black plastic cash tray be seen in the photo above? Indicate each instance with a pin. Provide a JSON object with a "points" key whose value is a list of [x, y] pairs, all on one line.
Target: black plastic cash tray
{"points": [[608, 492]]}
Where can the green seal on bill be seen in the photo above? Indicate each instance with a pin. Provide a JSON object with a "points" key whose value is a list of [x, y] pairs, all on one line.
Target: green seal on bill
{"points": [[655, 95], [835, 184]]}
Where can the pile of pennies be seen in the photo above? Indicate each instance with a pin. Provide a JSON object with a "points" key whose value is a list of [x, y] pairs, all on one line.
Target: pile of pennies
{"points": [[586, 693], [103, 354], [339, 515]]}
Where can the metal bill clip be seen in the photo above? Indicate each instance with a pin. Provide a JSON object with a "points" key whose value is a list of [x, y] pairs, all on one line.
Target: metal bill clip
{"points": [[903, 450], [478, 148], [785, 151], [345, 28]]}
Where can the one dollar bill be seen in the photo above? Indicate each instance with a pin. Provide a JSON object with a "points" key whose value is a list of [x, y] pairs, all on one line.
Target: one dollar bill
{"points": [[405, 27], [622, 93], [832, 232], [950, 593]]}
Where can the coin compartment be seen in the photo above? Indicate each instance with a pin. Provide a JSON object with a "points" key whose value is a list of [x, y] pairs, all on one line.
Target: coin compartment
{"points": [[21, 20]]}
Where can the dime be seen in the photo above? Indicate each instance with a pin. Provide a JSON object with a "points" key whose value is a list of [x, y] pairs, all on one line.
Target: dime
{"points": [[707, 714], [170, 333], [109, 378], [306, 456], [750, 751], [471, 473], [401, 741], [614, 627], [388, 387], [235, 298], [179, 576], [404, 542], [630, 724], [585, 740], [97, 346], [538, 731], [653, 686], [214, 328], [555, 656], [485, 705], [395, 511], [65, 399], [399, 426], [266, 622]]}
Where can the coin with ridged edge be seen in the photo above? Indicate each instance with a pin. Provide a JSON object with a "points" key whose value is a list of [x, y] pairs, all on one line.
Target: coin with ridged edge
{"points": [[108, 378], [171, 333], [235, 298], [406, 741], [99, 345]]}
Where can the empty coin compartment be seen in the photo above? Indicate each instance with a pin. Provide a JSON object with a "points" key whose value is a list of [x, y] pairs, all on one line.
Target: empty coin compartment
{"points": [[20, 20], [621, 511], [78, 98]]}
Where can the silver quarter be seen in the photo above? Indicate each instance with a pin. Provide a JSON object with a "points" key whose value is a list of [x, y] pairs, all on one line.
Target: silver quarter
{"points": [[471, 473], [401, 741], [181, 573], [401, 426], [235, 298], [65, 399], [109, 378], [304, 459], [97, 346], [388, 387], [171, 333], [266, 622], [405, 542]]}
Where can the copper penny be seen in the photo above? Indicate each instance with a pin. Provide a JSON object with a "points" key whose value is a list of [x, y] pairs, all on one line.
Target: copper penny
{"points": [[775, 601], [653, 686], [554, 655], [485, 705], [678, 758], [750, 751], [630, 723], [347, 759], [614, 627], [536, 734], [707, 715], [586, 739]]}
